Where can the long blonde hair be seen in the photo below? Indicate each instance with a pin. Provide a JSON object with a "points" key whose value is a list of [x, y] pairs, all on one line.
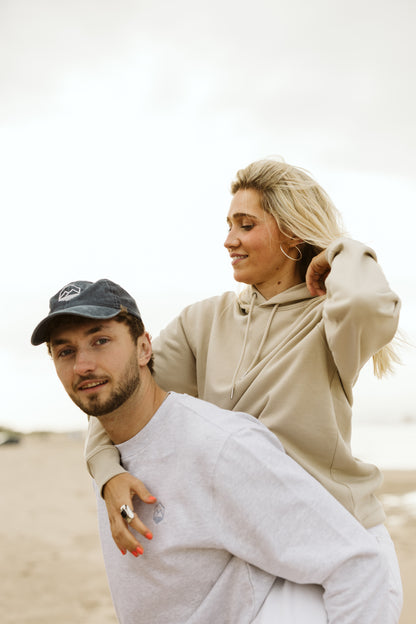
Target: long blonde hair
{"points": [[302, 209]]}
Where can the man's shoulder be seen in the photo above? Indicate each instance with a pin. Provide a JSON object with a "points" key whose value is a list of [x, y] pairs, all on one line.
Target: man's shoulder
{"points": [[215, 421], [209, 411], [217, 437]]}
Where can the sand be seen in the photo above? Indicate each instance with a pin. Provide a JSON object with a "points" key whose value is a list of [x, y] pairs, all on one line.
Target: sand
{"points": [[51, 566]]}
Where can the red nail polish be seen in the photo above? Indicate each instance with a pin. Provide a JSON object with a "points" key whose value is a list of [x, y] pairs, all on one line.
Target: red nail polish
{"points": [[149, 535], [151, 499], [133, 552], [123, 552], [139, 550]]}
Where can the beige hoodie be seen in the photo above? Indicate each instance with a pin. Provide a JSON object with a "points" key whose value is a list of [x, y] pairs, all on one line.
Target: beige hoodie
{"points": [[290, 361]]}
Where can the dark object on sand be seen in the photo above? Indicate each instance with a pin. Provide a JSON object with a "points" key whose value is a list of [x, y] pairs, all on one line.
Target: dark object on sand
{"points": [[9, 438]]}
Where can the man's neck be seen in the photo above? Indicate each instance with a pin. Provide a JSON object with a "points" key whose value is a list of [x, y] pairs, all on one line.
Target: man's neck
{"points": [[135, 413]]}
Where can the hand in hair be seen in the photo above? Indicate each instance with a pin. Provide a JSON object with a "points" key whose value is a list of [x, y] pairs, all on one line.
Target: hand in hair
{"points": [[316, 274]]}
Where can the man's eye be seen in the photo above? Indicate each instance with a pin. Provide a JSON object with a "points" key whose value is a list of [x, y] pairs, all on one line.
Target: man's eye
{"points": [[101, 341], [65, 353]]}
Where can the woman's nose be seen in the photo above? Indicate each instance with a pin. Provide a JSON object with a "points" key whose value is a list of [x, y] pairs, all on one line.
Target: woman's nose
{"points": [[231, 240]]}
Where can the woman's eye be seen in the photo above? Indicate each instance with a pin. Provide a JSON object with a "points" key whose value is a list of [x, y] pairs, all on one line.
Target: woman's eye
{"points": [[247, 227]]}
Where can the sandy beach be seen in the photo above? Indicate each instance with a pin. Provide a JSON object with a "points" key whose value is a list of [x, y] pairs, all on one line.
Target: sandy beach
{"points": [[51, 566]]}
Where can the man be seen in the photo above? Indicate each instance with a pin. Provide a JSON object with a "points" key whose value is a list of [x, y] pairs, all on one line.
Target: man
{"points": [[233, 511]]}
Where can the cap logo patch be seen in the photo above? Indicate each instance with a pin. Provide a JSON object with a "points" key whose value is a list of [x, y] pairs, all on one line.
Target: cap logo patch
{"points": [[69, 292]]}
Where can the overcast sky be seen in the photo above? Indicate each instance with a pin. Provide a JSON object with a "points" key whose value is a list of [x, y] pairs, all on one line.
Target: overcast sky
{"points": [[123, 123]]}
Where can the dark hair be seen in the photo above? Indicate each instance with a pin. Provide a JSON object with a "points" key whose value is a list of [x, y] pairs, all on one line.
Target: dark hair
{"points": [[134, 324], [136, 328]]}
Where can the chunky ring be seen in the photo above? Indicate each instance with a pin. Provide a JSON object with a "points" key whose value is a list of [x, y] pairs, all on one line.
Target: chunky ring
{"points": [[126, 513]]}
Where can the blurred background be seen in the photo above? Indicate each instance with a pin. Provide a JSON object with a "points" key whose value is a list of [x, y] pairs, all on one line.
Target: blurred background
{"points": [[122, 125]]}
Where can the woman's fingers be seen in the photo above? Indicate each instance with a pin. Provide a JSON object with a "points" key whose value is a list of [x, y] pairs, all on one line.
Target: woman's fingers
{"points": [[316, 274], [137, 487], [140, 527], [117, 492], [316, 283], [123, 537]]}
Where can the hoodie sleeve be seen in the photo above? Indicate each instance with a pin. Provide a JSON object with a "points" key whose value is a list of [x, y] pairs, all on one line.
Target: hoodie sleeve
{"points": [[361, 312], [175, 364], [102, 457]]}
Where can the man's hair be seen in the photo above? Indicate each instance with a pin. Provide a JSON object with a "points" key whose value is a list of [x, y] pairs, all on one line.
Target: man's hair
{"points": [[136, 328], [134, 324]]}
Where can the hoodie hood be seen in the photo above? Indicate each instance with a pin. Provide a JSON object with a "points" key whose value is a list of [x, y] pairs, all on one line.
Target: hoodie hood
{"points": [[251, 296]]}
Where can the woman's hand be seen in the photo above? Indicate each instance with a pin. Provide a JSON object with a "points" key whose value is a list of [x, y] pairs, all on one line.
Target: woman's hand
{"points": [[318, 271], [119, 491]]}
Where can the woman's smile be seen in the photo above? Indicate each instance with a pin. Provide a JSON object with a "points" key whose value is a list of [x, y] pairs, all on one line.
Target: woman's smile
{"points": [[254, 244]]}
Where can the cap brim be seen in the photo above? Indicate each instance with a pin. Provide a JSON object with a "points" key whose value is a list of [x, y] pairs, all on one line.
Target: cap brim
{"points": [[42, 330]]}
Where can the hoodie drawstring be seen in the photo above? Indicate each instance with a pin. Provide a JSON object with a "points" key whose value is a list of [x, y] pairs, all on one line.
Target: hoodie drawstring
{"points": [[253, 296], [265, 334]]}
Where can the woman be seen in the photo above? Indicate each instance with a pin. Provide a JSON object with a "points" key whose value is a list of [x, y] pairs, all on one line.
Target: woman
{"points": [[289, 349]]}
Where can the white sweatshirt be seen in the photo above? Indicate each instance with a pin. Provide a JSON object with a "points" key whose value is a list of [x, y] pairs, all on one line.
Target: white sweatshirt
{"points": [[233, 512]]}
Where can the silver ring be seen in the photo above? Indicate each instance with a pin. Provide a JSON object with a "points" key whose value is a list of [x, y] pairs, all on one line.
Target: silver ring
{"points": [[126, 513]]}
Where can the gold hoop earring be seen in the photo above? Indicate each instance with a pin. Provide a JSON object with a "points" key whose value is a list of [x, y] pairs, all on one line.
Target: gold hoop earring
{"points": [[290, 257]]}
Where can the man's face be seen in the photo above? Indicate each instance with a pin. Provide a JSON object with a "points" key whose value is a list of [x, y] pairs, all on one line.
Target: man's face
{"points": [[96, 362]]}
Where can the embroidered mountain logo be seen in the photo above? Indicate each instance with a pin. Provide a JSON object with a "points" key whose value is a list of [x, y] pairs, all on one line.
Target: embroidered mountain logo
{"points": [[69, 292], [159, 513]]}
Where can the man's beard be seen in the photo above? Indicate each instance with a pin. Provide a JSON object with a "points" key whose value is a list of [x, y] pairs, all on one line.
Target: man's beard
{"points": [[129, 383]]}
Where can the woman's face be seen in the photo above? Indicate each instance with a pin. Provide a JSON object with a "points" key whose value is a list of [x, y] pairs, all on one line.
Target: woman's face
{"points": [[253, 243]]}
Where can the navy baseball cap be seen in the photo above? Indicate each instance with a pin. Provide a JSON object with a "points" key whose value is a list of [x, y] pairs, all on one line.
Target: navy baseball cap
{"points": [[95, 300]]}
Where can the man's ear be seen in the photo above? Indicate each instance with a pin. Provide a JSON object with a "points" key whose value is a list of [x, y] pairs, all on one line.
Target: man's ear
{"points": [[144, 349]]}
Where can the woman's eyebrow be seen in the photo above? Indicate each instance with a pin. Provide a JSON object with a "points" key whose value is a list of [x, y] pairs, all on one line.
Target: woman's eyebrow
{"points": [[240, 215]]}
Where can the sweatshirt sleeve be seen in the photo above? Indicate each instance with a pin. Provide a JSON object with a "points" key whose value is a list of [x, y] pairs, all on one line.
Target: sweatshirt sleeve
{"points": [[102, 457], [361, 312], [174, 359], [274, 515]]}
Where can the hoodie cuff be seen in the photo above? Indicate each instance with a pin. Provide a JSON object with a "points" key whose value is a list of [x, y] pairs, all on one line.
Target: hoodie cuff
{"points": [[348, 244], [103, 466]]}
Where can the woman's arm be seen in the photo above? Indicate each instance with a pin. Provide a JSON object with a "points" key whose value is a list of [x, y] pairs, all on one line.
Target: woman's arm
{"points": [[102, 457], [117, 487], [175, 365], [361, 312]]}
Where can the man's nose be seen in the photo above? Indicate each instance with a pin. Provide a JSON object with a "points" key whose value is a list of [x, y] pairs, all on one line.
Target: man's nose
{"points": [[84, 363]]}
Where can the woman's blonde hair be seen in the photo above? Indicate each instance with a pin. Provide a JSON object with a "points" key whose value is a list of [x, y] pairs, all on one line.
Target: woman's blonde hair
{"points": [[302, 209]]}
